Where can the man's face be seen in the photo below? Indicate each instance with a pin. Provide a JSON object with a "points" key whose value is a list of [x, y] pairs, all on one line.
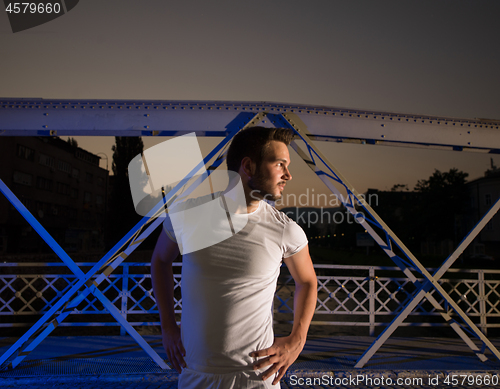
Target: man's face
{"points": [[269, 181]]}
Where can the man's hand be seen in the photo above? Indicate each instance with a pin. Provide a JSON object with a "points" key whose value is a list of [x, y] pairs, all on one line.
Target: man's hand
{"points": [[172, 344], [280, 355]]}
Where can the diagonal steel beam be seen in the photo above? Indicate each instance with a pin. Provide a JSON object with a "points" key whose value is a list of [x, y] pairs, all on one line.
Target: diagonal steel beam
{"points": [[427, 286], [387, 247], [293, 121], [114, 257], [23, 345], [27, 346]]}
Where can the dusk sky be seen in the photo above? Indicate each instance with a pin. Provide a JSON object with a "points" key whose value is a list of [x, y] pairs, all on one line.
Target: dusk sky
{"points": [[425, 57]]}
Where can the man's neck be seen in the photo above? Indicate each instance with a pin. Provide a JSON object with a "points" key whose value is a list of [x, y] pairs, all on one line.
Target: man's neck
{"points": [[252, 198], [253, 205]]}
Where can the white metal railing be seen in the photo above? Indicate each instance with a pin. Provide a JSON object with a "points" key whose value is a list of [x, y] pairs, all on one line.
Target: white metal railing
{"points": [[368, 296], [372, 296]]}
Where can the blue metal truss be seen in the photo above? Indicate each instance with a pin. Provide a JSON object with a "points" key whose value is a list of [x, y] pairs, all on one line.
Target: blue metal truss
{"points": [[281, 117], [86, 284], [314, 159]]}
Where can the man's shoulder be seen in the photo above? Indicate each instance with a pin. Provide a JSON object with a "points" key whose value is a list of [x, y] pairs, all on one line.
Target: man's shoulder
{"points": [[278, 215], [294, 237]]}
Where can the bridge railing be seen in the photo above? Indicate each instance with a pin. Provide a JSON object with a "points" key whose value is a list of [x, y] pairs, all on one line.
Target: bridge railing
{"points": [[366, 296]]}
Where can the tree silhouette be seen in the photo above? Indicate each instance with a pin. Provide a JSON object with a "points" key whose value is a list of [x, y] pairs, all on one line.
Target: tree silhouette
{"points": [[122, 215], [72, 142], [443, 203]]}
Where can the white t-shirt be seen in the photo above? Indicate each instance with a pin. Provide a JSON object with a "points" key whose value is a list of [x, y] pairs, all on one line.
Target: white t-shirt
{"points": [[227, 294]]}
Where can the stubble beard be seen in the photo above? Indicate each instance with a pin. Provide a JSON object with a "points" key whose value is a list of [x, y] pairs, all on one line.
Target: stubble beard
{"points": [[258, 185]]}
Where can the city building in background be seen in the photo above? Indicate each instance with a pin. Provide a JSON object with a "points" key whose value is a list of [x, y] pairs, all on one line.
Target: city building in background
{"points": [[483, 192], [62, 185]]}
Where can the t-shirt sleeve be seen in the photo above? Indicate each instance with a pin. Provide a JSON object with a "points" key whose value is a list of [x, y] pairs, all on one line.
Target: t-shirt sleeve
{"points": [[294, 239], [168, 228]]}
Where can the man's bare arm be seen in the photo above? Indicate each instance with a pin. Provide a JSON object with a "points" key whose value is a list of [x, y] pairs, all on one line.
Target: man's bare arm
{"points": [[285, 350], [162, 277]]}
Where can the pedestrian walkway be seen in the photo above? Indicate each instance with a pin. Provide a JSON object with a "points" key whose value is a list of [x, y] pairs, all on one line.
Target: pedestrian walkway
{"points": [[110, 362]]}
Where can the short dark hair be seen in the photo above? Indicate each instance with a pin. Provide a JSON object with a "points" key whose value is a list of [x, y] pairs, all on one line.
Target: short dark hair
{"points": [[253, 142]]}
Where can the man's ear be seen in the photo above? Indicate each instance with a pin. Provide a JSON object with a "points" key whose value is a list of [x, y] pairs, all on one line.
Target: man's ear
{"points": [[248, 166]]}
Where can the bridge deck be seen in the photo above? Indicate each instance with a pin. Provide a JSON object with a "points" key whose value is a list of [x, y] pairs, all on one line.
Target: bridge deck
{"points": [[109, 361]]}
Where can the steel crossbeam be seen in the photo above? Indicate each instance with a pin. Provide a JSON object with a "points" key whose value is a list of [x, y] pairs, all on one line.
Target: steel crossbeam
{"points": [[427, 287], [281, 117], [60, 117], [313, 159], [27, 343]]}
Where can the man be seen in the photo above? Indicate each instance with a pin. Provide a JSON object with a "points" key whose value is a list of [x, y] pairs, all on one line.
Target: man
{"points": [[227, 340]]}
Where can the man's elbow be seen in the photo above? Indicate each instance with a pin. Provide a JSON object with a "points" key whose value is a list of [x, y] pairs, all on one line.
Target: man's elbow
{"points": [[311, 280], [310, 285], [166, 250], [313, 287]]}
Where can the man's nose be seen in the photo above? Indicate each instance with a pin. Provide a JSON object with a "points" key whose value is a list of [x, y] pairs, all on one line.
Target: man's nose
{"points": [[287, 175]]}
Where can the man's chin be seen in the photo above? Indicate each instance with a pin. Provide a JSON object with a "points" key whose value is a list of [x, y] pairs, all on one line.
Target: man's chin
{"points": [[267, 196], [275, 197]]}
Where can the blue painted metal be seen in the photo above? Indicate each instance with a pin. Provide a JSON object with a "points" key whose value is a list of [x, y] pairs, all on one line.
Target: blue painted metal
{"points": [[59, 118], [24, 341], [427, 286], [110, 261], [39, 229], [124, 296], [312, 159]]}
